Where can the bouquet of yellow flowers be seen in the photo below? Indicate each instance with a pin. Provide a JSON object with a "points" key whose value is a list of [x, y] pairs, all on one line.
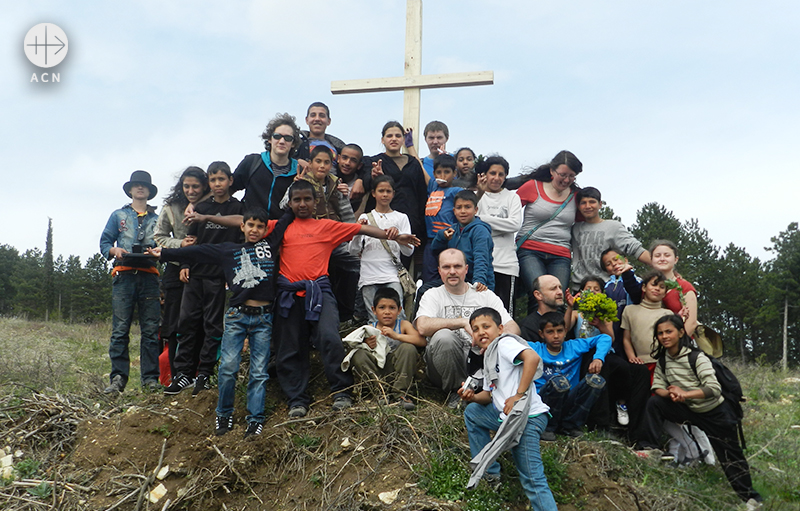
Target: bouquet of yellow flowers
{"points": [[596, 305]]}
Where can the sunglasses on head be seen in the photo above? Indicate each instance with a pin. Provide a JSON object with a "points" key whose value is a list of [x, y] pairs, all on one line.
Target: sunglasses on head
{"points": [[278, 136]]}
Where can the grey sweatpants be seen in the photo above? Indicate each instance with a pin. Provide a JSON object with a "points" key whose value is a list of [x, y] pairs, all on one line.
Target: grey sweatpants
{"points": [[446, 360]]}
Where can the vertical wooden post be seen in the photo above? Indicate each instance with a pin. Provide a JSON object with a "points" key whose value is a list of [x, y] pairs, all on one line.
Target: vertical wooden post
{"points": [[413, 66], [785, 358]]}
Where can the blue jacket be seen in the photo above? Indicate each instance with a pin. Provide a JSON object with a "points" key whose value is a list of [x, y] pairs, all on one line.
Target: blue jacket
{"points": [[568, 362], [123, 229], [475, 240]]}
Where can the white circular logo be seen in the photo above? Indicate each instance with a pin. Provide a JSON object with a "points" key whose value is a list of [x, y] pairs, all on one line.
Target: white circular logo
{"points": [[46, 45]]}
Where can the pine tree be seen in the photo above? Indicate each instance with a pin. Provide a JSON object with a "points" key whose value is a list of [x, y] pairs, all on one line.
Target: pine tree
{"points": [[9, 260], [48, 270], [96, 289], [28, 281], [740, 292], [785, 273], [654, 222], [606, 213]]}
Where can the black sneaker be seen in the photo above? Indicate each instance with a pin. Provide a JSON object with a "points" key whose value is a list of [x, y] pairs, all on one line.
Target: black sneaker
{"points": [[254, 428], [406, 403], [453, 401], [342, 402], [180, 382], [201, 383], [298, 411], [116, 386], [223, 425], [152, 386]]}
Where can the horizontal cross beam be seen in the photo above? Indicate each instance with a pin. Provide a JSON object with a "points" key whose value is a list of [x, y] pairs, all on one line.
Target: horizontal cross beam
{"points": [[413, 81]]}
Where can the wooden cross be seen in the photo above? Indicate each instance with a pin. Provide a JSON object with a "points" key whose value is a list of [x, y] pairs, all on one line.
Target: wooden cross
{"points": [[413, 79]]}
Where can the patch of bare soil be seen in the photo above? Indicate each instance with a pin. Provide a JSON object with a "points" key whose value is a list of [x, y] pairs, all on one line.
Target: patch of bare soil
{"points": [[103, 455], [588, 472]]}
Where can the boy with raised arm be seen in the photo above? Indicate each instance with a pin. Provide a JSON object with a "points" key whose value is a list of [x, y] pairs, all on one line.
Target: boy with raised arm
{"points": [[473, 237], [594, 235], [439, 209], [250, 270], [306, 305]]}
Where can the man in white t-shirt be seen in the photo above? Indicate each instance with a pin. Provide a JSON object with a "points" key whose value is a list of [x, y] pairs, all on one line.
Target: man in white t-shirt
{"points": [[443, 317]]}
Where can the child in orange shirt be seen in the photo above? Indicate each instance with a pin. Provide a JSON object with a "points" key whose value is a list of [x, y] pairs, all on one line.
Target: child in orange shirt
{"points": [[306, 307]]}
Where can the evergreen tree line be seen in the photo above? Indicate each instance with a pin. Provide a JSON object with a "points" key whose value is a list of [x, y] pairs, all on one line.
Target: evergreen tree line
{"points": [[34, 285], [753, 304]]}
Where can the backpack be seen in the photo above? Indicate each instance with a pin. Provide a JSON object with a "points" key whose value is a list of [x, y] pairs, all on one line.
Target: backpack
{"points": [[729, 383]]}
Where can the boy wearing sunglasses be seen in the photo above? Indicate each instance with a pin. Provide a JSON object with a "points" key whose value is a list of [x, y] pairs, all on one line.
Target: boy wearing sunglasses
{"points": [[265, 177]]}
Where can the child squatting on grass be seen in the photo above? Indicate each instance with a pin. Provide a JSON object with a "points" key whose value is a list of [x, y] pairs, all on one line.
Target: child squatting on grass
{"points": [[682, 393], [403, 340], [509, 405]]}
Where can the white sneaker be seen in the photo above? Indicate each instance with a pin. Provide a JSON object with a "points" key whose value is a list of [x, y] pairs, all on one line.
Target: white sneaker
{"points": [[622, 414], [753, 504]]}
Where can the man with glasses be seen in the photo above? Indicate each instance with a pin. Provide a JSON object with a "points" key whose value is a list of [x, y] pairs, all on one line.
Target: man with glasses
{"points": [[265, 177]]}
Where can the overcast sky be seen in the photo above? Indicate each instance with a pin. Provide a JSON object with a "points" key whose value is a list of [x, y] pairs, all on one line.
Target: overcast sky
{"points": [[690, 104]]}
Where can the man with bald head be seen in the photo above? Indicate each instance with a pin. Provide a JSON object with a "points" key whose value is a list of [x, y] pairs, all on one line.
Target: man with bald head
{"points": [[443, 317], [550, 297]]}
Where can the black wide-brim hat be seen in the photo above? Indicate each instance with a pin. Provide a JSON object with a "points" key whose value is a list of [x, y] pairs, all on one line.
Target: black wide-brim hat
{"points": [[143, 177]]}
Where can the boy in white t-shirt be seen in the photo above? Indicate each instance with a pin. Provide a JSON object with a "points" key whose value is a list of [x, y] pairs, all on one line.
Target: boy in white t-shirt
{"points": [[509, 369]]}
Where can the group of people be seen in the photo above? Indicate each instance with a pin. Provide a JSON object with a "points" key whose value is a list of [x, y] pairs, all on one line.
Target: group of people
{"points": [[325, 234]]}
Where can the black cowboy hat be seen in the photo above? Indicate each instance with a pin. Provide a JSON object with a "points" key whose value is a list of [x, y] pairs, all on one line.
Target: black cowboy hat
{"points": [[143, 177]]}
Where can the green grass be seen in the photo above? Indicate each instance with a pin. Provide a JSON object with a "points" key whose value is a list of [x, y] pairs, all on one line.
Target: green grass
{"points": [[307, 441], [55, 355], [27, 468], [42, 491], [162, 430], [772, 431]]}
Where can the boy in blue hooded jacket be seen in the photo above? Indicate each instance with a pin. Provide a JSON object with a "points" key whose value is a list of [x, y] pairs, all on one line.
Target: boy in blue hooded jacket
{"points": [[473, 237]]}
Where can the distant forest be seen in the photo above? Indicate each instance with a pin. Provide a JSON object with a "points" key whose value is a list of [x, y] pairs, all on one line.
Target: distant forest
{"points": [[753, 304]]}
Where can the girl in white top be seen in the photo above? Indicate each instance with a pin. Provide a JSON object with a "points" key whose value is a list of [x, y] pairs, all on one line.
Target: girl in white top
{"points": [[502, 210], [377, 268]]}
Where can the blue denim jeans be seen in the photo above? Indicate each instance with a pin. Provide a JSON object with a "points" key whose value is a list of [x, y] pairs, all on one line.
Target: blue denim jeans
{"points": [[481, 419], [258, 329], [130, 289], [533, 264], [570, 407]]}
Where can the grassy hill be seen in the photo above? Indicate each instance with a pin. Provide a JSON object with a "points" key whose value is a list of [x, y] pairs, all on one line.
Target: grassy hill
{"points": [[71, 447]]}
